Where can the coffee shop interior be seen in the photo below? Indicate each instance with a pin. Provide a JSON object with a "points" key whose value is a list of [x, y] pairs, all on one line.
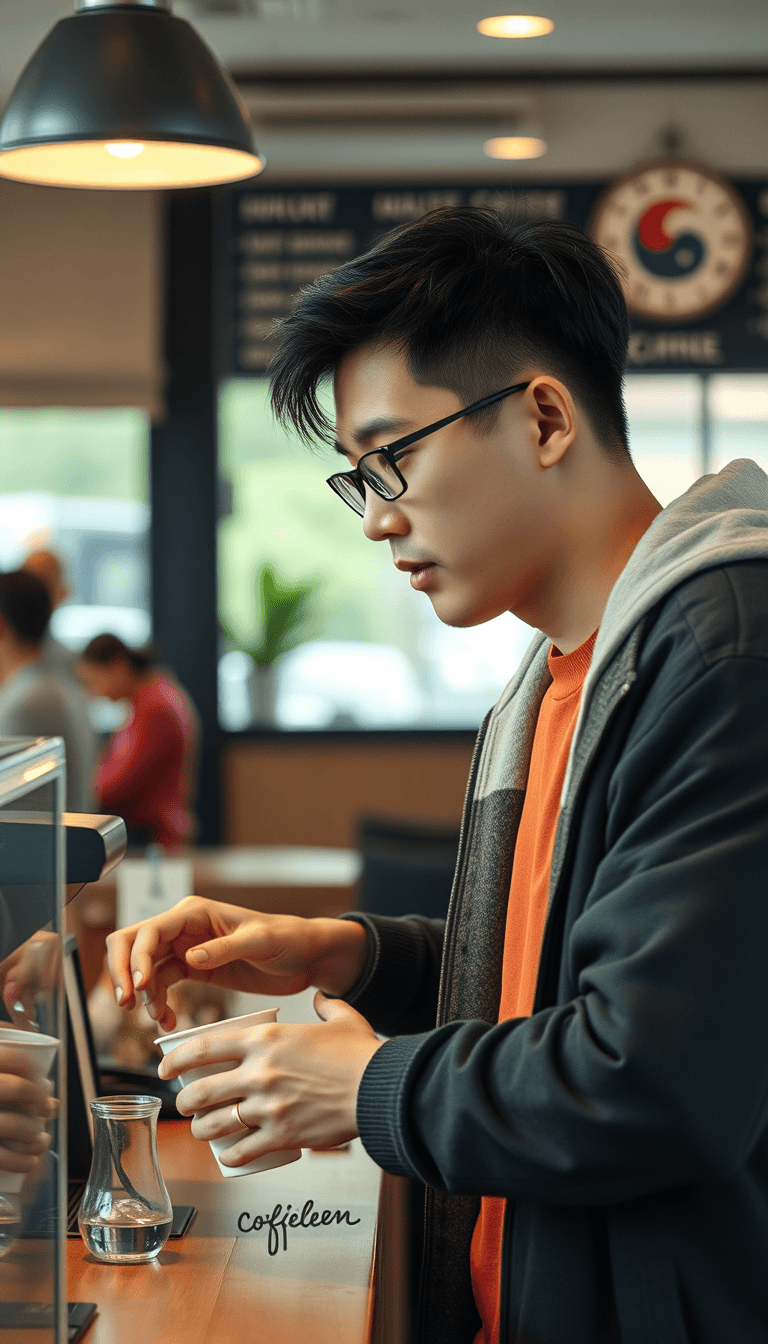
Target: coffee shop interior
{"points": [[328, 716]]}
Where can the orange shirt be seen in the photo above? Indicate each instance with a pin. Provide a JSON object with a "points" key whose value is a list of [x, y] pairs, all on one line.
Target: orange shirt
{"points": [[526, 916]]}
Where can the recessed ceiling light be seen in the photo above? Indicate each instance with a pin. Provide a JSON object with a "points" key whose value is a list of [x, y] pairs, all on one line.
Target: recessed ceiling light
{"points": [[515, 147], [515, 25]]}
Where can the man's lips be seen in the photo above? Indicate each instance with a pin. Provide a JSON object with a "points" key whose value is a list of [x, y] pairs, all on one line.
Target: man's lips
{"points": [[421, 573], [410, 566]]}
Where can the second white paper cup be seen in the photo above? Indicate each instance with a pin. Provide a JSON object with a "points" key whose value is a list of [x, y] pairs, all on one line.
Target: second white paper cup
{"points": [[219, 1146], [41, 1051]]}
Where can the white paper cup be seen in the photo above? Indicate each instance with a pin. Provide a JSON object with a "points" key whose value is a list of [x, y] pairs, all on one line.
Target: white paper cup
{"points": [[219, 1146], [41, 1052]]}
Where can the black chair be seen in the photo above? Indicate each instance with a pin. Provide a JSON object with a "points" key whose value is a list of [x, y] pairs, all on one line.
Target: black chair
{"points": [[408, 865]]}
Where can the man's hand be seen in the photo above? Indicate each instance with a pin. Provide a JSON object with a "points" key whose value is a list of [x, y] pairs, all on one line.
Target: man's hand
{"points": [[26, 1104], [28, 973], [297, 1085], [235, 948]]}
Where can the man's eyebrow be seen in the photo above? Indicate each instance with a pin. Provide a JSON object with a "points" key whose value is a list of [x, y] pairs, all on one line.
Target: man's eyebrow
{"points": [[382, 424]]}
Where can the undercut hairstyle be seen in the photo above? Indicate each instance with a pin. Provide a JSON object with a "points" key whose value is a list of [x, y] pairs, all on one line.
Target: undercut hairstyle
{"points": [[471, 296], [25, 605], [104, 649]]}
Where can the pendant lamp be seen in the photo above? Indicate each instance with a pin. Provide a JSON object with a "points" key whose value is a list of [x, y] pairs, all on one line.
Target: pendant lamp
{"points": [[122, 94]]}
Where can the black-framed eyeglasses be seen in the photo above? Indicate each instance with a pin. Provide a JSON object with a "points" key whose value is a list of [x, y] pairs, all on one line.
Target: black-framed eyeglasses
{"points": [[379, 469]]}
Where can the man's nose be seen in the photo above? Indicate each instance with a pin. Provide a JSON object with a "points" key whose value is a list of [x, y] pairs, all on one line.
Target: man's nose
{"points": [[383, 518]]}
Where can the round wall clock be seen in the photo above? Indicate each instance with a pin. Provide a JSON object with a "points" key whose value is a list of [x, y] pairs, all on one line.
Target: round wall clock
{"points": [[682, 234]]}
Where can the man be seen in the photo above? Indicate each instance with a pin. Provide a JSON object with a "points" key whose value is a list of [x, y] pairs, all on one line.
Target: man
{"points": [[49, 568], [34, 700], [590, 1114]]}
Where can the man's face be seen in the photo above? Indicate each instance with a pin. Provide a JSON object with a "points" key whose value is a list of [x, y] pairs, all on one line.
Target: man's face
{"points": [[473, 529]]}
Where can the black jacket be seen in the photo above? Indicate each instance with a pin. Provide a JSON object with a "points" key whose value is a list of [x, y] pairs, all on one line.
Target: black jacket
{"points": [[626, 1121]]}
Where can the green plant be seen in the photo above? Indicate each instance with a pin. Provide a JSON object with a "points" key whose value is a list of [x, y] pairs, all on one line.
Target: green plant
{"points": [[284, 612]]}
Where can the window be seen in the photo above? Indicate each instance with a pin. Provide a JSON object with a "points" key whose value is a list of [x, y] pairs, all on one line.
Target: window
{"points": [[76, 481], [370, 652], [665, 415], [738, 412]]}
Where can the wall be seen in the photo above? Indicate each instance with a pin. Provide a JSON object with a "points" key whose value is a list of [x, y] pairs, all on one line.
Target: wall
{"points": [[385, 130], [306, 792], [79, 298]]}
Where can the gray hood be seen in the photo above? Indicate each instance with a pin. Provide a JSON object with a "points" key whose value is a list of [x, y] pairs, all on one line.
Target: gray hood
{"points": [[721, 519]]}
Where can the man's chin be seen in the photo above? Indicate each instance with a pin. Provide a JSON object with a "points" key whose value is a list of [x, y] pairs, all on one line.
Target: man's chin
{"points": [[459, 614]]}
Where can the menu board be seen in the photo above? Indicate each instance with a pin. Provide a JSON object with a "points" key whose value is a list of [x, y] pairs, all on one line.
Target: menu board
{"points": [[274, 242]]}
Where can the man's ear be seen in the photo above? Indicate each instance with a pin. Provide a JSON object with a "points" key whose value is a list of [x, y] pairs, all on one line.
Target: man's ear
{"points": [[552, 406]]}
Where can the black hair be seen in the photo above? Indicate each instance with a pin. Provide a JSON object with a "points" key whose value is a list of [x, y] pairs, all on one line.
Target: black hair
{"points": [[104, 649], [25, 605], [471, 295]]}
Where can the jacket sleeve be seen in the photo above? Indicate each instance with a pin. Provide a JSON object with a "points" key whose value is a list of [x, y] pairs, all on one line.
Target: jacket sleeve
{"points": [[655, 1072], [397, 990]]}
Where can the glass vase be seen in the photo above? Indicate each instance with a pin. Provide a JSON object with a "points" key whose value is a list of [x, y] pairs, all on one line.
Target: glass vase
{"points": [[125, 1215]]}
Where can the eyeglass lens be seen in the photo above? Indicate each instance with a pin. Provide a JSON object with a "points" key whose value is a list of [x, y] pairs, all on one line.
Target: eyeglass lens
{"points": [[378, 473]]}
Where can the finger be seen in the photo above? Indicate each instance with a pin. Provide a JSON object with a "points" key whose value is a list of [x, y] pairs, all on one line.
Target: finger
{"points": [[217, 1047], [19, 1000], [19, 1163], [131, 951], [119, 946], [219, 1123], [205, 1095], [20, 1060], [155, 998], [161, 1013], [11, 992], [24, 1129], [151, 945], [17, 1093], [256, 1143], [336, 1010], [243, 944]]}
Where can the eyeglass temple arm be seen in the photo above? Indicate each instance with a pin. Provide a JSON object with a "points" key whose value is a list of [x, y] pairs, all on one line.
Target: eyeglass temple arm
{"points": [[449, 419]]}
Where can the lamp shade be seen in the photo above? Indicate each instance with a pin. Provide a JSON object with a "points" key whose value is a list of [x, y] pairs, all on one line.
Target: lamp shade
{"points": [[125, 96]]}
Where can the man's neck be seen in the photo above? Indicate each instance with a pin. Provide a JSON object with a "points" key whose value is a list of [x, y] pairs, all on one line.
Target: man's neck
{"points": [[602, 533], [14, 657]]}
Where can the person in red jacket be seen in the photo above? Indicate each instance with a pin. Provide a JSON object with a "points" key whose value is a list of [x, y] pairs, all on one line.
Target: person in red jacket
{"points": [[147, 773]]}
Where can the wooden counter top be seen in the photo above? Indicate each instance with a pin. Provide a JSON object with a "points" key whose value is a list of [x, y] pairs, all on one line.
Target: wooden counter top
{"points": [[216, 1286]]}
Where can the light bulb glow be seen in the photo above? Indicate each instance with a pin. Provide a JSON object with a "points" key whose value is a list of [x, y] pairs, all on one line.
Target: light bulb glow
{"points": [[515, 147], [162, 164], [124, 149], [515, 25]]}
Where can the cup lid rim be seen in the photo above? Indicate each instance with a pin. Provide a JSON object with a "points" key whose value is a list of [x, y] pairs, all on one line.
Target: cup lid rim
{"points": [[17, 1036], [212, 1026]]}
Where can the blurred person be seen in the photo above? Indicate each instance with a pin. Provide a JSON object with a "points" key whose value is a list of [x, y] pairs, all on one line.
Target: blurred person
{"points": [[48, 567], [147, 774], [35, 700]]}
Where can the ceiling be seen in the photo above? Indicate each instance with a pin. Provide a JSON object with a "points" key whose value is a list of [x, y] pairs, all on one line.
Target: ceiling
{"points": [[313, 37], [408, 88]]}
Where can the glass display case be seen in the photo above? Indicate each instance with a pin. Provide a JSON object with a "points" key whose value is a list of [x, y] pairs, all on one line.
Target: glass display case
{"points": [[32, 1044]]}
